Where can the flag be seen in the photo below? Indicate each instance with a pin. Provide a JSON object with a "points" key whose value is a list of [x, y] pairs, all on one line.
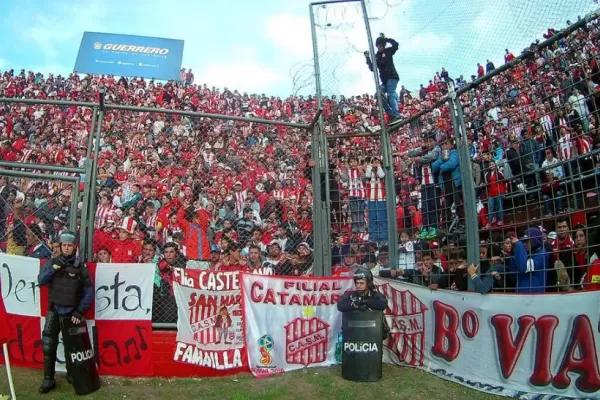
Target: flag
{"points": [[5, 329]]}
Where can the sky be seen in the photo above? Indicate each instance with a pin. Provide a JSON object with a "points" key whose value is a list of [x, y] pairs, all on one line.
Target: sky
{"points": [[265, 46]]}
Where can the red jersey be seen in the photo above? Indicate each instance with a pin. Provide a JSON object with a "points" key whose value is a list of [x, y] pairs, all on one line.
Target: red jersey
{"points": [[591, 280], [126, 251]]}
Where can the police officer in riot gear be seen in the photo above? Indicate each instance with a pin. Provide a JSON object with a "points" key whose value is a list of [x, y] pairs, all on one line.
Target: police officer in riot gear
{"points": [[365, 297], [70, 294]]}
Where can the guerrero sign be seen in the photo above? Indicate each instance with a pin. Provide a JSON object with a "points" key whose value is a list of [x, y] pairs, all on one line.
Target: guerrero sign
{"points": [[511, 345], [291, 323], [127, 55], [210, 319]]}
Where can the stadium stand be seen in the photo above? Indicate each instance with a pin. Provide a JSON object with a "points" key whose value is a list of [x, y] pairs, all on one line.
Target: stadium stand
{"points": [[534, 145]]}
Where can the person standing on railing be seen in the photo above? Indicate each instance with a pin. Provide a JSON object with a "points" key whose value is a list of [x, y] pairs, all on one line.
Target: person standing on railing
{"points": [[352, 179], [496, 189], [448, 168], [388, 75], [376, 201], [423, 160]]}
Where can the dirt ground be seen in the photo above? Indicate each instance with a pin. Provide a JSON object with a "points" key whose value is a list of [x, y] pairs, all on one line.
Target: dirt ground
{"points": [[312, 383]]}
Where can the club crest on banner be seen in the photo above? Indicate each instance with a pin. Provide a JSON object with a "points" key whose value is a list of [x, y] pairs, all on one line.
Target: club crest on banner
{"points": [[306, 341], [405, 317]]}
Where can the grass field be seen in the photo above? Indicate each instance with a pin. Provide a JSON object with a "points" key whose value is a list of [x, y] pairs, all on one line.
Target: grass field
{"points": [[313, 383]]}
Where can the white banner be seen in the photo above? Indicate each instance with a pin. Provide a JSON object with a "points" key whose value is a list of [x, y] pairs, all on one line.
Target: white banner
{"points": [[511, 345], [210, 319], [124, 291], [20, 289], [291, 322]]}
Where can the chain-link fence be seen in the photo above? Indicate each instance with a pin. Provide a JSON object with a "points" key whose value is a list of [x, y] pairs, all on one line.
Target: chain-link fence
{"points": [[177, 188], [499, 172], [533, 136], [35, 209], [203, 193]]}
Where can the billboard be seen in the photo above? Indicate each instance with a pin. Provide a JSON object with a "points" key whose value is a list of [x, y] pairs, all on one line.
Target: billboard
{"points": [[128, 55]]}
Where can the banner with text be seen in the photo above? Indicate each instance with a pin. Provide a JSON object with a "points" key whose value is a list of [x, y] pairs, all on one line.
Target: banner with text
{"points": [[291, 323], [119, 320], [519, 346], [210, 319], [129, 55]]}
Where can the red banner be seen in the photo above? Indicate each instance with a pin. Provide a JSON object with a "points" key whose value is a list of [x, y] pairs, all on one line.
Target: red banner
{"points": [[121, 339]]}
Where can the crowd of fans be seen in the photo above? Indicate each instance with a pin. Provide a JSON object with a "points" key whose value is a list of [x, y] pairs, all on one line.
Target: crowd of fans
{"points": [[206, 193]]}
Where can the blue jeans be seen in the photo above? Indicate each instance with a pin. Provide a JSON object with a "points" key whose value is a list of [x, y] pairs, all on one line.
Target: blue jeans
{"points": [[496, 208], [357, 212], [391, 105], [549, 202], [377, 221], [429, 206]]}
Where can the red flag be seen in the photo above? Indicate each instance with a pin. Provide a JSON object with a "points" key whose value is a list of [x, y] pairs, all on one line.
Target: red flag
{"points": [[5, 328]]}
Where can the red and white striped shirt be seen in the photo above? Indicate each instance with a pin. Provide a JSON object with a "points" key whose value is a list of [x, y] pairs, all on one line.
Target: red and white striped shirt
{"points": [[102, 213], [151, 221], [355, 185], [426, 175], [246, 130], [239, 198], [280, 194], [375, 185], [583, 145], [565, 147]]}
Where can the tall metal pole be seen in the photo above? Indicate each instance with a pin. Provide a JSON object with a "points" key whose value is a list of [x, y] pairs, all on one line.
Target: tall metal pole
{"points": [[92, 180], [466, 175], [319, 154], [386, 151], [88, 165]]}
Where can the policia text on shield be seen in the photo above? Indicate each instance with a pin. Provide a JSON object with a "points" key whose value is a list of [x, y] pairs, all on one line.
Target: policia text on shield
{"points": [[362, 329]]}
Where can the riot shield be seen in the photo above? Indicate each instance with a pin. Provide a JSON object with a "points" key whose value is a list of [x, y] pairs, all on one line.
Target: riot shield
{"points": [[79, 356]]}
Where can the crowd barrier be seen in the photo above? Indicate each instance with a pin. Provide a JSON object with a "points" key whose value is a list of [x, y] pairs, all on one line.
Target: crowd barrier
{"points": [[511, 345]]}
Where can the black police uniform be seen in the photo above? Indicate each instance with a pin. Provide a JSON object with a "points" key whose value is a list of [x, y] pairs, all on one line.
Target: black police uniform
{"points": [[367, 300], [70, 294]]}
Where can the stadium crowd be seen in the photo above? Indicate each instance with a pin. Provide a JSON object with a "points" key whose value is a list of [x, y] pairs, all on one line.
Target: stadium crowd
{"points": [[207, 193]]}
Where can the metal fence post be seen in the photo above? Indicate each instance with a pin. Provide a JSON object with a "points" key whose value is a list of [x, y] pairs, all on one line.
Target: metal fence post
{"points": [[321, 237], [466, 174], [388, 166], [74, 202], [85, 224], [92, 189]]}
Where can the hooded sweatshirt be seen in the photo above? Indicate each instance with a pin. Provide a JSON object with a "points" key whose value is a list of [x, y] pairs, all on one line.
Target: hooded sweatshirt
{"points": [[531, 267]]}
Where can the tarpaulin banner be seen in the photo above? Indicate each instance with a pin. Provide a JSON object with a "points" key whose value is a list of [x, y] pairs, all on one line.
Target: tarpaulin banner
{"points": [[128, 55], [210, 319], [522, 346], [119, 321], [291, 322]]}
